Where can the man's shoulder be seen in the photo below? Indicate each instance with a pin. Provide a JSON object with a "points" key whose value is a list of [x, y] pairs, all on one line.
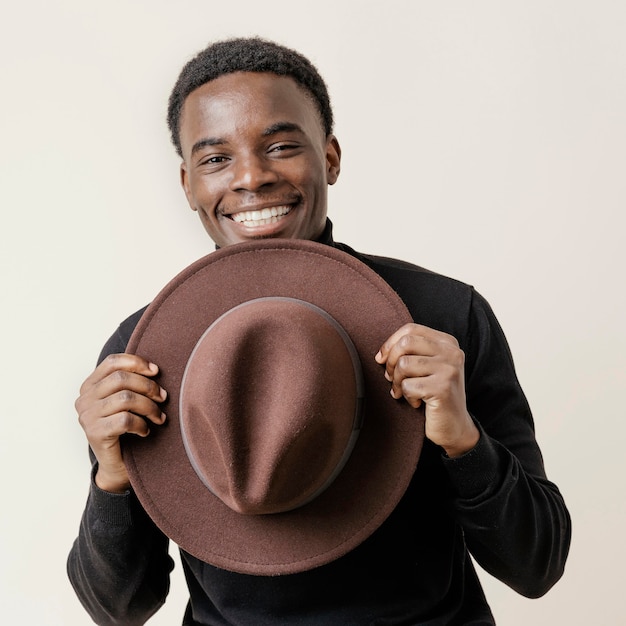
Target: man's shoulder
{"points": [[119, 339], [127, 327], [398, 264], [399, 271], [433, 299]]}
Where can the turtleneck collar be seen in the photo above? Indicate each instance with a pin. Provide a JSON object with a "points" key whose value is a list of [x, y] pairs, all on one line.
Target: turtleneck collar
{"points": [[327, 234]]}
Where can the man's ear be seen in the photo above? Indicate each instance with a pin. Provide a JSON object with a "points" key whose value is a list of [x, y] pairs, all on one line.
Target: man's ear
{"points": [[333, 159], [184, 181]]}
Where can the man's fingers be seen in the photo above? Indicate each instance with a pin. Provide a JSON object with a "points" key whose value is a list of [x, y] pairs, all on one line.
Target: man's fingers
{"points": [[409, 353], [114, 426], [122, 380], [131, 402], [121, 402], [409, 333], [426, 367], [412, 390], [414, 339], [105, 436], [123, 387], [420, 363], [119, 362], [408, 367], [385, 349]]}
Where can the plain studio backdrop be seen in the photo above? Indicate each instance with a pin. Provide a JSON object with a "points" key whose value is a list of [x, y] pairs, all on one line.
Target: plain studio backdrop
{"points": [[485, 140]]}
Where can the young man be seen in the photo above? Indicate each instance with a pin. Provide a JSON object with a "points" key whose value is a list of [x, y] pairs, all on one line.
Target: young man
{"points": [[252, 123]]}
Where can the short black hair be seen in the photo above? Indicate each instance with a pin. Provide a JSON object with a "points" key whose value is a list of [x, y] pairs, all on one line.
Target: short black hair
{"points": [[251, 54]]}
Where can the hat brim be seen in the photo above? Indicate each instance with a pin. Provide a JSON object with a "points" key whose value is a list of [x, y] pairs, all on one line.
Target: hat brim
{"points": [[384, 458]]}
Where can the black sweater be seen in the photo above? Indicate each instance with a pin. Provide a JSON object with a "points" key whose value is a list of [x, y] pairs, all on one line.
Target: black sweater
{"points": [[494, 502]]}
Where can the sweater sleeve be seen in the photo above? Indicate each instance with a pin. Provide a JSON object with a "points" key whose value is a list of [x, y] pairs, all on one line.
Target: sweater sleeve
{"points": [[515, 521], [119, 564]]}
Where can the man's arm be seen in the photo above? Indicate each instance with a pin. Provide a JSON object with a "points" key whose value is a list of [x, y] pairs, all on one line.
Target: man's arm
{"points": [[514, 520], [119, 565], [515, 523]]}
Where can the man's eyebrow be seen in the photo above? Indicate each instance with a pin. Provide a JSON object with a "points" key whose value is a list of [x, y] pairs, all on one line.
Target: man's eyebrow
{"points": [[280, 127], [203, 143], [270, 130]]}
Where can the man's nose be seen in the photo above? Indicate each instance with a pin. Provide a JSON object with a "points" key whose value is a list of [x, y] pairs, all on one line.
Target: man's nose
{"points": [[252, 172]]}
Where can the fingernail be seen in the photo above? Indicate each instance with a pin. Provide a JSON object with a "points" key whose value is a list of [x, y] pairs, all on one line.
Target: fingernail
{"points": [[163, 417], [379, 356], [387, 376], [162, 393]]}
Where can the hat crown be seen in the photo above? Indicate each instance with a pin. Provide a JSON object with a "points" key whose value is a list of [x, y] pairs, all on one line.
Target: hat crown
{"points": [[270, 404]]}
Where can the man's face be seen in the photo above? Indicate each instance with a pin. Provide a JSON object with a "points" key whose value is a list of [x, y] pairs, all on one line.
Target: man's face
{"points": [[256, 160]]}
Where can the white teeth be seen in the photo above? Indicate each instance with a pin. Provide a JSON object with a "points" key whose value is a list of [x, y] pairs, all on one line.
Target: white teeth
{"points": [[263, 216]]}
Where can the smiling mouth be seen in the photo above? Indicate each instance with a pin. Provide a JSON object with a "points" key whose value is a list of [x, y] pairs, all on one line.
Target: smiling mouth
{"points": [[261, 217]]}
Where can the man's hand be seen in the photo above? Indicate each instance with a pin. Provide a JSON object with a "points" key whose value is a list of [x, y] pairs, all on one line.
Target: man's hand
{"points": [[119, 397], [427, 366]]}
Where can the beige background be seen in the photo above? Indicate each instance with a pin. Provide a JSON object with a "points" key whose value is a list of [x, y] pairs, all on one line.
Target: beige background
{"points": [[485, 140]]}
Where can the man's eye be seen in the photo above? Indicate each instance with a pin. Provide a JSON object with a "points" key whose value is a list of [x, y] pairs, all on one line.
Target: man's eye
{"points": [[212, 160], [283, 147]]}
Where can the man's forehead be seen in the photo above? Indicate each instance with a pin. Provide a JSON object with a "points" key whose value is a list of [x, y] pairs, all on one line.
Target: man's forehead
{"points": [[239, 96]]}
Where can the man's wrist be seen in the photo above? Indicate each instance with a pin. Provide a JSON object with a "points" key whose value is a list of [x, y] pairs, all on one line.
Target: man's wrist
{"points": [[469, 442], [111, 484]]}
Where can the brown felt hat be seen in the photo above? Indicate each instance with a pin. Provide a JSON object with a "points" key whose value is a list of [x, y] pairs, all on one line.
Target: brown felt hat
{"points": [[283, 449]]}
